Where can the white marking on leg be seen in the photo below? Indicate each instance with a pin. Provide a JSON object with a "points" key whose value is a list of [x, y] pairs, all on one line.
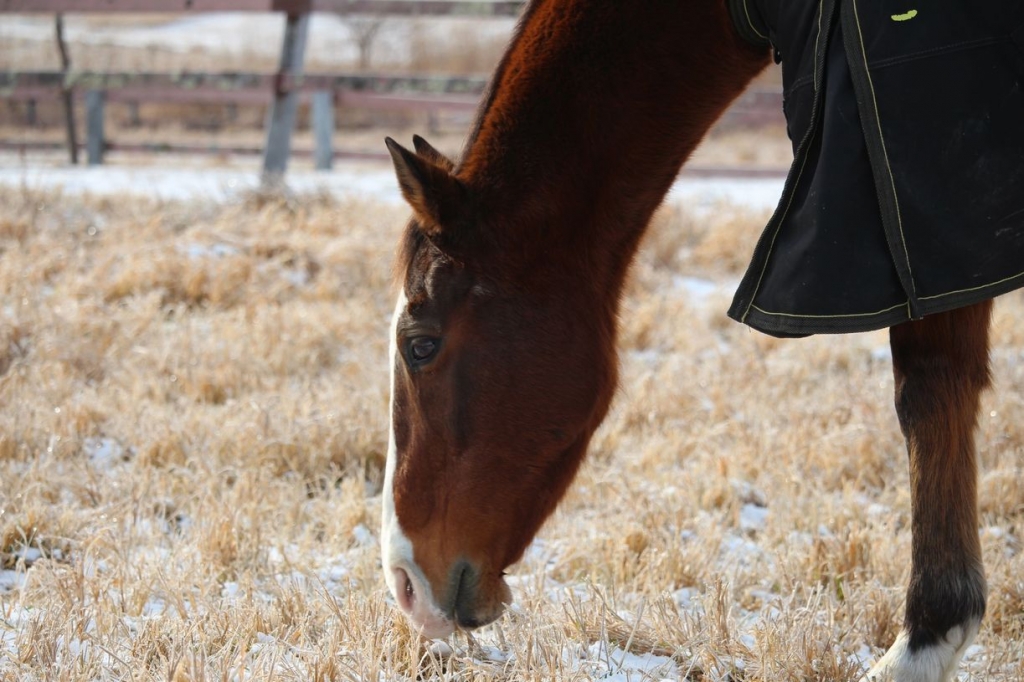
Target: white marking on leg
{"points": [[396, 549], [936, 663]]}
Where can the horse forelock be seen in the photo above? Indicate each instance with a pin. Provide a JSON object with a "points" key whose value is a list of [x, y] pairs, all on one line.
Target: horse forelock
{"points": [[417, 259], [412, 241]]}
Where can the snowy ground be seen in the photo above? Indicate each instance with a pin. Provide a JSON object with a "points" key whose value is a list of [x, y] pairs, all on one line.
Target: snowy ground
{"points": [[175, 180], [605, 658], [757, 527]]}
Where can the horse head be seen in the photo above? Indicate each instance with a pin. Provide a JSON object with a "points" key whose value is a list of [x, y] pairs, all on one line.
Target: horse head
{"points": [[500, 372]]}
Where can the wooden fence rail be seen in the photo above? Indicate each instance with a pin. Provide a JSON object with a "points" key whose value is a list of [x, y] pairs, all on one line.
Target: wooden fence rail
{"points": [[757, 108], [465, 8], [368, 92], [284, 89], [286, 82], [14, 84]]}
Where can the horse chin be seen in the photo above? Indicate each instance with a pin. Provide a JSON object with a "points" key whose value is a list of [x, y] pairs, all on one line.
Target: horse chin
{"points": [[434, 629]]}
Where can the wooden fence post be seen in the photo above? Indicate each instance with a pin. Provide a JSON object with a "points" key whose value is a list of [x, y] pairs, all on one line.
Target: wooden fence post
{"points": [[134, 120], [94, 141], [66, 94], [281, 120], [323, 128]]}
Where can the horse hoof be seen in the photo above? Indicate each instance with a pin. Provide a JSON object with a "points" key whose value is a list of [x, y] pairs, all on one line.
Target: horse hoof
{"points": [[937, 662]]}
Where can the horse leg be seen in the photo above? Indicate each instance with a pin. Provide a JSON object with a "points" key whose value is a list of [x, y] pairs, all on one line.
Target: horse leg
{"points": [[940, 365]]}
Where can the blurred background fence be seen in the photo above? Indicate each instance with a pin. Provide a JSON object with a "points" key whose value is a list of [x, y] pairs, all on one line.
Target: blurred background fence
{"points": [[280, 98]]}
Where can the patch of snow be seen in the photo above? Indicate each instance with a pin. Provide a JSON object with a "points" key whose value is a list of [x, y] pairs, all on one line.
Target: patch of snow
{"points": [[699, 290], [687, 598], [974, 651], [649, 357], [1011, 545], [753, 517], [995, 532], [747, 493], [104, 453], [29, 555], [335, 572], [881, 354], [348, 179], [768, 609], [8, 640], [275, 556], [297, 278], [11, 580], [175, 182], [876, 510], [975, 664], [154, 608], [440, 649], [218, 250], [744, 552], [491, 654], [707, 194], [364, 536], [798, 538], [863, 657], [610, 663]]}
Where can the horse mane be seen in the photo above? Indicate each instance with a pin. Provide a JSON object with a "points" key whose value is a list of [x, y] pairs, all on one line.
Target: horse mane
{"points": [[413, 238], [490, 94]]}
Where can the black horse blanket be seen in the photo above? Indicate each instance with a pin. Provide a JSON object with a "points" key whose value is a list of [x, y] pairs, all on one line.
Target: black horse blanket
{"points": [[906, 195]]}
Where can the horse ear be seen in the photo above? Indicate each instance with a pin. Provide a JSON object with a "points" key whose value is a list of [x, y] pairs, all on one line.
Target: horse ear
{"points": [[428, 152], [435, 195]]}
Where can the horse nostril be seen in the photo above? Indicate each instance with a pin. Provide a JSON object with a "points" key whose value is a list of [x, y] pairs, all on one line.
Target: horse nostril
{"points": [[466, 593], [406, 593]]}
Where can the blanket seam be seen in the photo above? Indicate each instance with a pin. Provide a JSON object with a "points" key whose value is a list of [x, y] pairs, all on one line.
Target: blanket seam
{"points": [[934, 297], [874, 137], [808, 139], [936, 51], [750, 22]]}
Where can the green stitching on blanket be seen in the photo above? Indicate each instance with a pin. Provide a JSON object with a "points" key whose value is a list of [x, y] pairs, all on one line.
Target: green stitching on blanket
{"points": [[750, 22], [936, 297], [831, 317], [906, 16]]}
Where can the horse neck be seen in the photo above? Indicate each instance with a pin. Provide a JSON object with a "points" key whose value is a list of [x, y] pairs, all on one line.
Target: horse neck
{"points": [[592, 112]]}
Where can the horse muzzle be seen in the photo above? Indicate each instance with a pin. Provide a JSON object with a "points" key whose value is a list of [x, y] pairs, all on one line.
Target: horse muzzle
{"points": [[414, 598], [469, 601]]}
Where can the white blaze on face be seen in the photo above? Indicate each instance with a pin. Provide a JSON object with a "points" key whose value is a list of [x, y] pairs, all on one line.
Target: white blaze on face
{"points": [[406, 581]]}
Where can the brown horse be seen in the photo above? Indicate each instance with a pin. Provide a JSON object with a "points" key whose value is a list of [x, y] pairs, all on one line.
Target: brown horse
{"points": [[503, 341]]}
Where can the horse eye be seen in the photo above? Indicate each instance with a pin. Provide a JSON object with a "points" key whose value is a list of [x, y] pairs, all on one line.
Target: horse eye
{"points": [[422, 349]]}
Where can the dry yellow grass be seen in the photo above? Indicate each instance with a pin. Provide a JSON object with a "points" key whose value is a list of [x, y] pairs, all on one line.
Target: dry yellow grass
{"points": [[193, 422]]}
